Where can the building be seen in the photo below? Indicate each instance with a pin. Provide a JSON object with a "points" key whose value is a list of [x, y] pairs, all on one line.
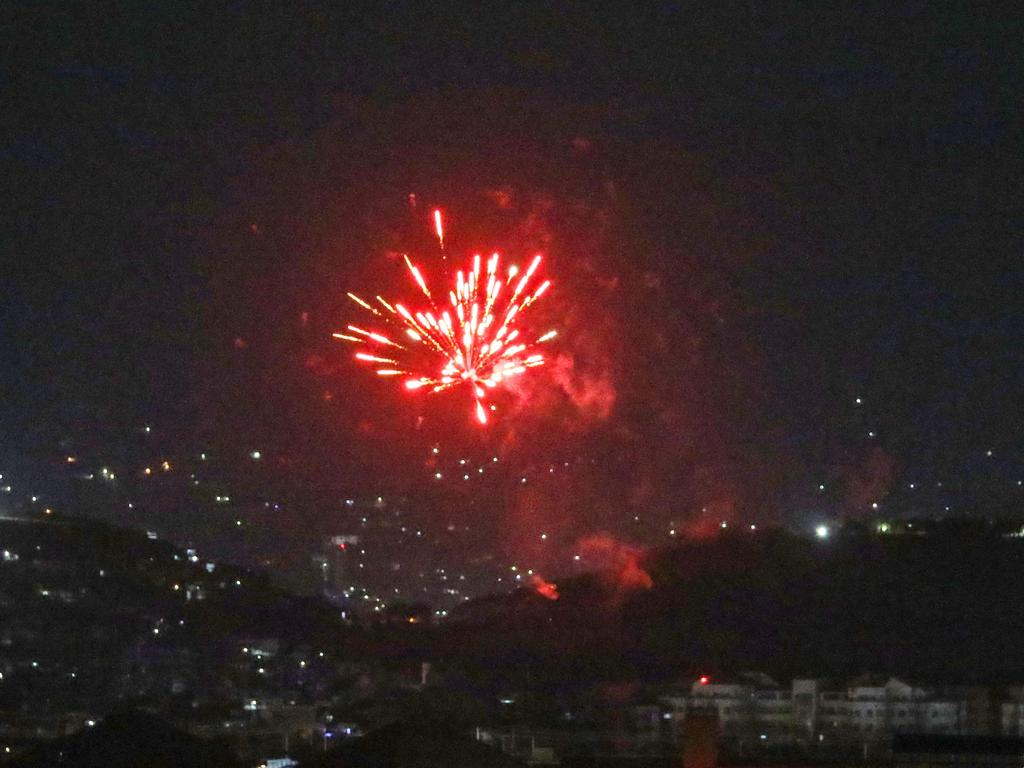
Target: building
{"points": [[754, 709]]}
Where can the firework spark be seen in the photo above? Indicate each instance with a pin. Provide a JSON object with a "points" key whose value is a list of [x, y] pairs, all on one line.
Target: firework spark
{"points": [[438, 228], [474, 340]]}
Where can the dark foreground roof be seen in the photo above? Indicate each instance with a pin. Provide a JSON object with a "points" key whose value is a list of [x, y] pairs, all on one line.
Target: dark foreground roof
{"points": [[404, 745], [921, 744], [129, 739]]}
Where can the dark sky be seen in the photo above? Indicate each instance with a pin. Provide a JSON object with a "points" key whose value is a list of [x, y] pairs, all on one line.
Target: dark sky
{"points": [[754, 215]]}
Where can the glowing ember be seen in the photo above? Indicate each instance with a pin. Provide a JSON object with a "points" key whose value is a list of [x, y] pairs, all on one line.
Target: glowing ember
{"points": [[472, 340], [438, 228], [543, 587]]}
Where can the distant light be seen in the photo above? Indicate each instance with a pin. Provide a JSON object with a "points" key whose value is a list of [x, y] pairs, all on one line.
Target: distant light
{"points": [[753, 527], [166, 466], [435, 450], [438, 475], [90, 723], [544, 537], [71, 459], [871, 434], [255, 455], [874, 505], [858, 401], [147, 429], [704, 680], [576, 557], [764, 736], [988, 453], [821, 487], [723, 524], [821, 531]]}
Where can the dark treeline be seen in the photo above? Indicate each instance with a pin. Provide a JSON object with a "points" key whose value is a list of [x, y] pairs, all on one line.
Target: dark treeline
{"points": [[941, 606]]}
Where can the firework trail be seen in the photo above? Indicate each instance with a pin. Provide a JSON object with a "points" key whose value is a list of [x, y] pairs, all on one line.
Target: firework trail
{"points": [[475, 339]]}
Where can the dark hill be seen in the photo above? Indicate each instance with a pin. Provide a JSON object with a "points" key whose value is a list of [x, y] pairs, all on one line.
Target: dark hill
{"points": [[942, 606]]}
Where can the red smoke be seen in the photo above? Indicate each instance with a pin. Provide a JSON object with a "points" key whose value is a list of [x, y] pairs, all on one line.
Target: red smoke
{"points": [[621, 560], [591, 392]]}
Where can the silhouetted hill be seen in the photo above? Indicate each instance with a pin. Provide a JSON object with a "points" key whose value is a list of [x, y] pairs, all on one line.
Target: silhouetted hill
{"points": [[942, 606]]}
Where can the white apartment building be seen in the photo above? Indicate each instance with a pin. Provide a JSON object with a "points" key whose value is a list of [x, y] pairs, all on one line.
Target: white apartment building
{"points": [[754, 707]]}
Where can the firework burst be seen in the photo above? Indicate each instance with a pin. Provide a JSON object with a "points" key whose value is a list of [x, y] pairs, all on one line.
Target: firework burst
{"points": [[473, 339]]}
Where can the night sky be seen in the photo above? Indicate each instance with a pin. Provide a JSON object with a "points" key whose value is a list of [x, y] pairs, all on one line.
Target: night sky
{"points": [[753, 216]]}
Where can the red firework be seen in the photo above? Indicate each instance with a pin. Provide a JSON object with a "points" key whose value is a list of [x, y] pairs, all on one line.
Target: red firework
{"points": [[475, 339]]}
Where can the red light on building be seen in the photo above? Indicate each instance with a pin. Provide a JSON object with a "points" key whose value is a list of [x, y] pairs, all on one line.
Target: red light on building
{"points": [[704, 680]]}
